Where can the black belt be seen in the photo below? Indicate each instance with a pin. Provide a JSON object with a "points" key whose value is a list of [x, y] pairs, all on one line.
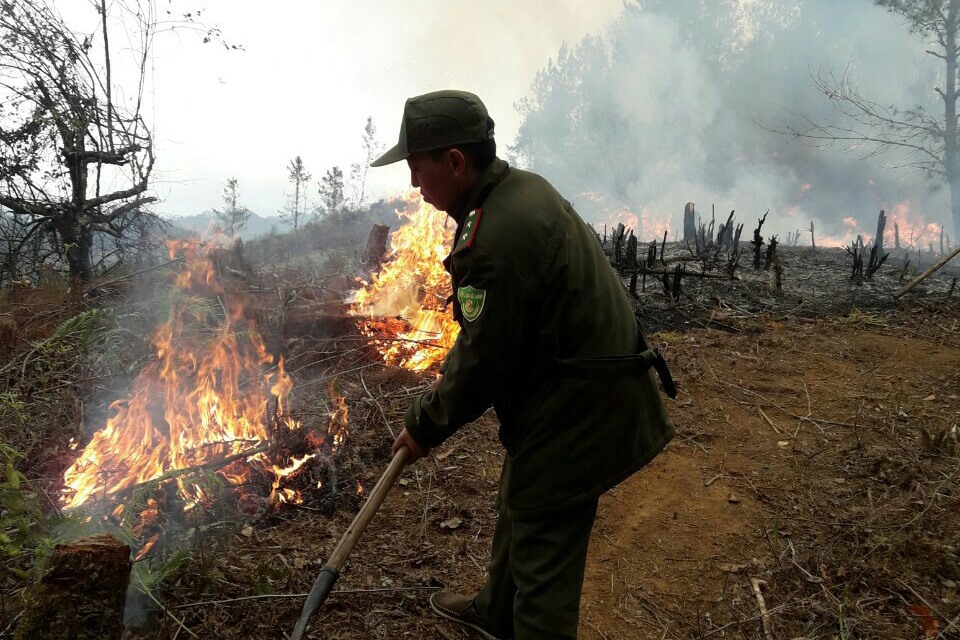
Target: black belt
{"points": [[620, 366]]}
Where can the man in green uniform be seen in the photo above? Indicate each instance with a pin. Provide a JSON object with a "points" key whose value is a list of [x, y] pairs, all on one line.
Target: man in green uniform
{"points": [[549, 339]]}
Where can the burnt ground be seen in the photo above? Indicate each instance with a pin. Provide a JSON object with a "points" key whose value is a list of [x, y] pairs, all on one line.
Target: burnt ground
{"points": [[816, 452]]}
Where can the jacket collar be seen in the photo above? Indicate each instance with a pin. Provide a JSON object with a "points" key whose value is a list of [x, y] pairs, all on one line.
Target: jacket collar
{"points": [[491, 177]]}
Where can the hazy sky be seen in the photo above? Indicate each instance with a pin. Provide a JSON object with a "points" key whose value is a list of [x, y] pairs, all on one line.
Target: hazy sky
{"points": [[311, 72]]}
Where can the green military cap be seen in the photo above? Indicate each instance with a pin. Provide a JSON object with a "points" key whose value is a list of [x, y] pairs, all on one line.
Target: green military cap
{"points": [[437, 120]]}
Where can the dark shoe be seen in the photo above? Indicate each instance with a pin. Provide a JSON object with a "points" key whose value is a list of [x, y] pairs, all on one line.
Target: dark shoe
{"points": [[460, 609]]}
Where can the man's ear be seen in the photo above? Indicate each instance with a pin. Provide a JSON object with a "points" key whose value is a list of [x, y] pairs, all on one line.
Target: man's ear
{"points": [[458, 162]]}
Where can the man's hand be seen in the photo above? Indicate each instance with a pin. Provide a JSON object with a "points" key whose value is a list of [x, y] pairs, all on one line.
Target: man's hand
{"points": [[417, 451]]}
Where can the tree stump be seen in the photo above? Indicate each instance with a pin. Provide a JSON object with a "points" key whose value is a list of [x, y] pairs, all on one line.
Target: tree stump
{"points": [[689, 224], [81, 594], [376, 245]]}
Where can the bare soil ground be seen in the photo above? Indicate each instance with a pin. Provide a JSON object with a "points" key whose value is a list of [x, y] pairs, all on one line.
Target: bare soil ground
{"points": [[818, 456]]}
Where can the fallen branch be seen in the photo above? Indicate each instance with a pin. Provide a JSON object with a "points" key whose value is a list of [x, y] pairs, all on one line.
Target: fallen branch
{"points": [[764, 614], [929, 272]]}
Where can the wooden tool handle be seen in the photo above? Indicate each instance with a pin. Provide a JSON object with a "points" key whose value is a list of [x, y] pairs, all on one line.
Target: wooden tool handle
{"points": [[363, 517], [331, 571]]}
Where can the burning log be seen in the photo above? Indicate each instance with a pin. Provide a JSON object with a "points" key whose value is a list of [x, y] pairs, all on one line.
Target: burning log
{"points": [[81, 594], [929, 272]]}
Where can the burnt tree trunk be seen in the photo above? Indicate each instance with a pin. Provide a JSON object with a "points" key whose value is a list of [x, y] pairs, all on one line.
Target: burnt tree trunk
{"points": [[689, 224], [81, 594], [376, 245], [881, 227]]}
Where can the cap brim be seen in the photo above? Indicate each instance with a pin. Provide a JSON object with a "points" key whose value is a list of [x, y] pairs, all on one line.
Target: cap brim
{"points": [[396, 154]]}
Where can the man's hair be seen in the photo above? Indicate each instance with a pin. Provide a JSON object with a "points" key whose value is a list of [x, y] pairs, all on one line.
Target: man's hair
{"points": [[481, 154]]}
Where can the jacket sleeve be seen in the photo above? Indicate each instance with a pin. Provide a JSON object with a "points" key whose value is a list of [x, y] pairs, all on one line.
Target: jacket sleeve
{"points": [[485, 351]]}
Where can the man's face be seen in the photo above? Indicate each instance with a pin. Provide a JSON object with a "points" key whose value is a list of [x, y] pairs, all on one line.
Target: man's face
{"points": [[439, 181]]}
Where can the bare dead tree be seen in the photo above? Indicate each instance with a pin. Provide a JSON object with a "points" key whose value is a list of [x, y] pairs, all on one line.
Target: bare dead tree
{"points": [[62, 134], [928, 140], [76, 155]]}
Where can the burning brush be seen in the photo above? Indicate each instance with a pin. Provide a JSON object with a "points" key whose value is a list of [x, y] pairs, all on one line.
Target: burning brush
{"points": [[212, 402], [405, 304]]}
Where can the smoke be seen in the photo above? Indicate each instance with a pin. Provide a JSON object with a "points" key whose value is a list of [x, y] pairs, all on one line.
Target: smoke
{"points": [[674, 101]]}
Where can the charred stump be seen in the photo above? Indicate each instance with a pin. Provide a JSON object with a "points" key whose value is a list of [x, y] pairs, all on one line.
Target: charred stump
{"points": [[881, 227], [689, 224], [896, 236], [376, 245], [856, 270], [876, 260], [81, 594], [663, 247], [758, 241], [771, 252], [631, 256], [813, 240], [778, 272]]}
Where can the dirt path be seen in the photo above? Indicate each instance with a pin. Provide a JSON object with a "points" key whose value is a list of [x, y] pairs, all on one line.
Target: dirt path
{"points": [[800, 460]]}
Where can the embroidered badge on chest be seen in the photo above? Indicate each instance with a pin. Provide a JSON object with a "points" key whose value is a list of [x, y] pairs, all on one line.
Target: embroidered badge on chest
{"points": [[471, 302], [469, 232]]}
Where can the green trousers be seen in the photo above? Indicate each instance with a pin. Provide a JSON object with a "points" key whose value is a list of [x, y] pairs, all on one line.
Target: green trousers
{"points": [[536, 575]]}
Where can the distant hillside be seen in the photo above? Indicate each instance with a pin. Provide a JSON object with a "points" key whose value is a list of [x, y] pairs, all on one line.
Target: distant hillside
{"points": [[202, 222]]}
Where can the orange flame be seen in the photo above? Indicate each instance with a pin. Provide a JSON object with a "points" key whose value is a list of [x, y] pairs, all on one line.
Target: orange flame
{"points": [[412, 286], [206, 397]]}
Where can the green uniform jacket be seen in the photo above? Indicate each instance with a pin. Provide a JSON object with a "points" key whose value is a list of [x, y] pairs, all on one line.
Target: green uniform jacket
{"points": [[531, 283]]}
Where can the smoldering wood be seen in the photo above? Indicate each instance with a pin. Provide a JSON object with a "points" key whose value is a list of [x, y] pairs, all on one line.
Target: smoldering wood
{"points": [[813, 240], [81, 593], [633, 284], [663, 247], [896, 235], [376, 245], [652, 255], [953, 285], [689, 224]]}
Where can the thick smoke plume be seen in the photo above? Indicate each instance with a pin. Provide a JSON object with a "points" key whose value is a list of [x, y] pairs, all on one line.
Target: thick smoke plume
{"points": [[675, 102]]}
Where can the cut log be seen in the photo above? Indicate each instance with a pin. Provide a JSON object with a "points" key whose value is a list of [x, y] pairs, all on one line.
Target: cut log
{"points": [[81, 594]]}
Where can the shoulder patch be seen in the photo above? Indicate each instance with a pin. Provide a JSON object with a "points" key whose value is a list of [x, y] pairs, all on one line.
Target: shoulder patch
{"points": [[469, 232], [471, 302]]}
